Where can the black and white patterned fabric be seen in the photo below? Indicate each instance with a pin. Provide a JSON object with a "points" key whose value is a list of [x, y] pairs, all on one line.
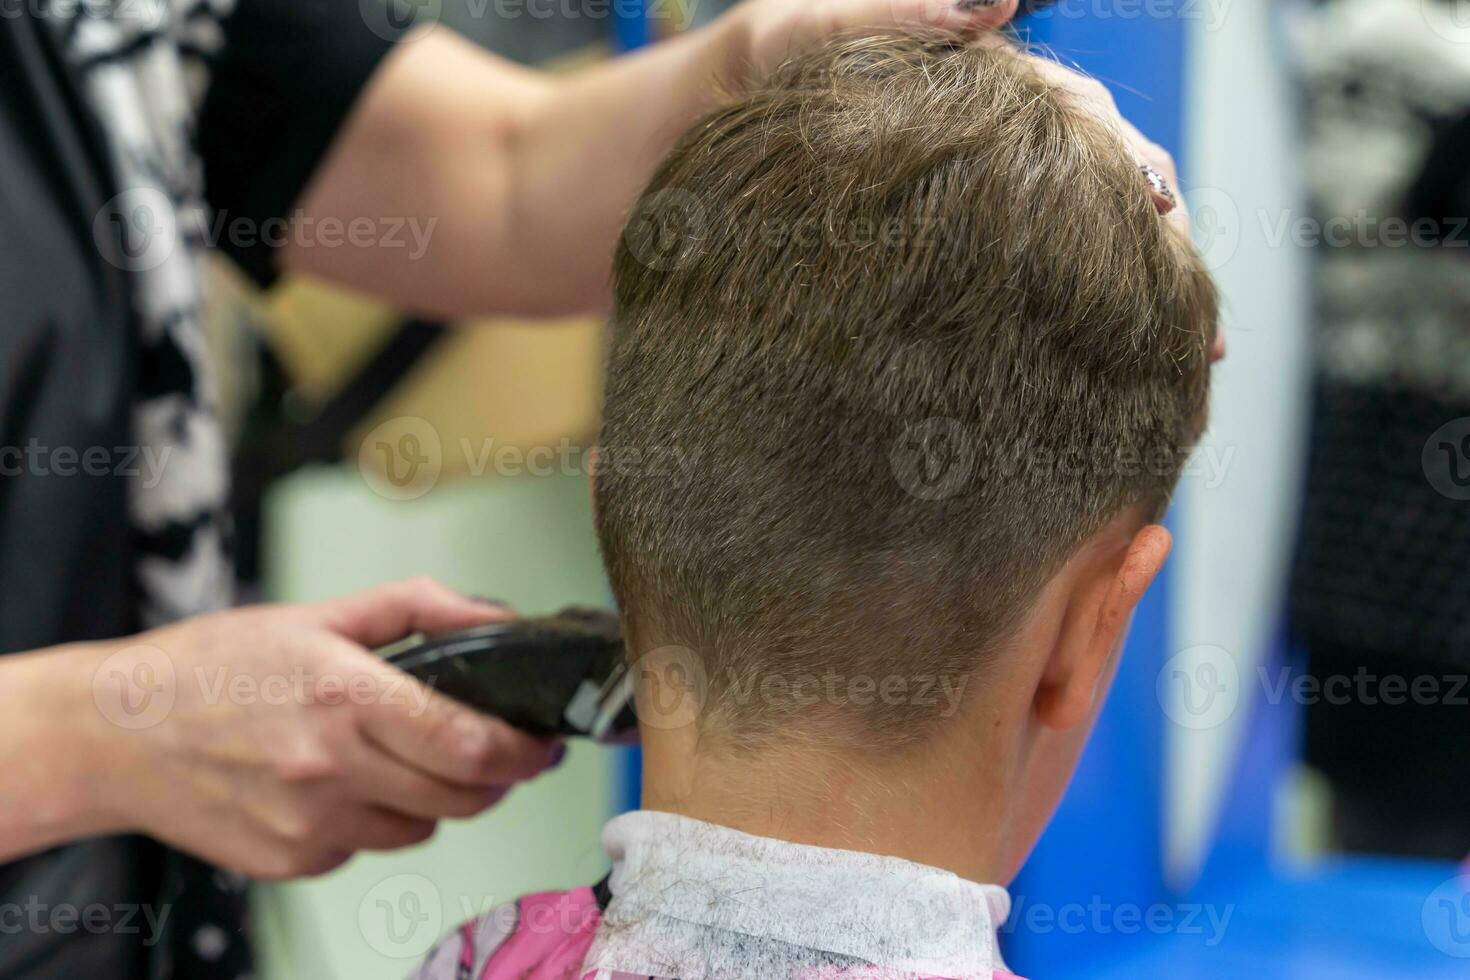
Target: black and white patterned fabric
{"points": [[1383, 560], [131, 131], [142, 66], [1380, 592]]}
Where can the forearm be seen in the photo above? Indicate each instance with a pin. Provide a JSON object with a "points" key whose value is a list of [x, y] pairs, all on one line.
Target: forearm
{"points": [[53, 746], [593, 147], [515, 182], [512, 184]]}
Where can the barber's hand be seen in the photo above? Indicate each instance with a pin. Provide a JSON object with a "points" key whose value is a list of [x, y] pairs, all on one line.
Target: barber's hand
{"points": [[781, 28], [282, 745], [1094, 97]]}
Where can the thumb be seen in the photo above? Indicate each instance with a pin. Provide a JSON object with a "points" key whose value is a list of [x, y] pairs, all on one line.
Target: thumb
{"points": [[391, 612]]}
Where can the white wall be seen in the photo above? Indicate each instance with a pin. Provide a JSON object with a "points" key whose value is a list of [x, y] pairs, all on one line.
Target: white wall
{"points": [[527, 540], [1238, 503]]}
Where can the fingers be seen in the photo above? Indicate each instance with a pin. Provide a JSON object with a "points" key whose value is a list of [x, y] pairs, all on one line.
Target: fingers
{"points": [[1157, 171], [444, 739], [288, 856], [391, 612], [961, 16], [387, 781], [1158, 175], [375, 829], [270, 859]]}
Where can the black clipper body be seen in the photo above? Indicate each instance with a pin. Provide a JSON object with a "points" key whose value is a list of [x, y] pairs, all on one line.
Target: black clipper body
{"points": [[549, 675]]}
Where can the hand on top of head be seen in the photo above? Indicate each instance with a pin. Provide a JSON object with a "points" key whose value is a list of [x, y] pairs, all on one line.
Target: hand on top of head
{"points": [[1157, 169], [779, 29]]}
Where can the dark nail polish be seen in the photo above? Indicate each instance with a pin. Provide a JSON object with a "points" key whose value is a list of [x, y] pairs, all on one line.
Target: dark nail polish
{"points": [[975, 4], [558, 756]]}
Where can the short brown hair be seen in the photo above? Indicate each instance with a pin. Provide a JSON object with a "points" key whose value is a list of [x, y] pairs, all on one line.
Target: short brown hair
{"points": [[893, 253]]}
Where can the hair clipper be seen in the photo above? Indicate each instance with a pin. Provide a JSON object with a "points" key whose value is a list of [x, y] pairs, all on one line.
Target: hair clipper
{"points": [[550, 675]]}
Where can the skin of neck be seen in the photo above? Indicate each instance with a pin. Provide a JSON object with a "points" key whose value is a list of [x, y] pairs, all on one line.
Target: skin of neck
{"points": [[901, 806], [974, 795]]}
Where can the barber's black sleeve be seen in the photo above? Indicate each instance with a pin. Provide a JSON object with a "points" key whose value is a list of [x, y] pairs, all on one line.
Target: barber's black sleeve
{"points": [[281, 87]]}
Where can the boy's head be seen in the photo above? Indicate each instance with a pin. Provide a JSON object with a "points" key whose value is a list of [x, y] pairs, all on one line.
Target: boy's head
{"points": [[904, 363]]}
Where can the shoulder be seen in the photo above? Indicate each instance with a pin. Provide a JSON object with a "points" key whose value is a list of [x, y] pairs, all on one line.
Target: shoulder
{"points": [[542, 935]]}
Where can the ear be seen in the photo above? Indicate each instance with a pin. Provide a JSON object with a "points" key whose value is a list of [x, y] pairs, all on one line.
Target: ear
{"points": [[1107, 590]]}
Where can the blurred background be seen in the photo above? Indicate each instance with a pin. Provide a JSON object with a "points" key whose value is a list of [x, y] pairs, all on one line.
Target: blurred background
{"points": [[1280, 780]]}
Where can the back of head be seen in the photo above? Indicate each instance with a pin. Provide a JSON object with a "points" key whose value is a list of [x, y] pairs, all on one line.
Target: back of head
{"points": [[895, 333]]}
